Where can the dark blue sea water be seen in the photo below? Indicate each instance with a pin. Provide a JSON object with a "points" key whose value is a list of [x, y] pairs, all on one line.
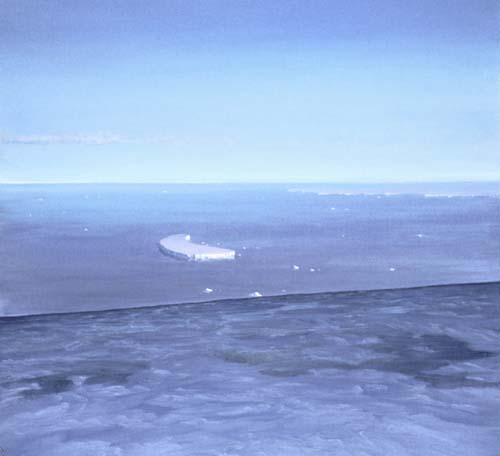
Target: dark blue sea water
{"points": [[383, 373], [87, 247]]}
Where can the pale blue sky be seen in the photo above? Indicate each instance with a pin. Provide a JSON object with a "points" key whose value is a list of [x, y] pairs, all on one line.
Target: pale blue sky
{"points": [[224, 91]]}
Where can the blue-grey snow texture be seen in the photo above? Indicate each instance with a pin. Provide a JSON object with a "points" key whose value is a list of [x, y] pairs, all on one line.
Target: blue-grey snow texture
{"points": [[380, 373]]}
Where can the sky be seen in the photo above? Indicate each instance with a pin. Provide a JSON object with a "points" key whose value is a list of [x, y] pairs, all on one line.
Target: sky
{"points": [[249, 91]]}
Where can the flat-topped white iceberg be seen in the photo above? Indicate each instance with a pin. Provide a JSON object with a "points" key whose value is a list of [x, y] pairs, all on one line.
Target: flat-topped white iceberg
{"points": [[180, 246]]}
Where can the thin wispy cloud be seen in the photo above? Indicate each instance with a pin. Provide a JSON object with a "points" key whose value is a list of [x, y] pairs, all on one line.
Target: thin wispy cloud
{"points": [[96, 139], [107, 138]]}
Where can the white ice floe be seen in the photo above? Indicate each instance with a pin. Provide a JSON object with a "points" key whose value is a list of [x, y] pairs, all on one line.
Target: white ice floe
{"points": [[392, 269], [85, 229], [255, 294], [420, 235], [208, 290], [295, 267], [180, 246], [312, 270]]}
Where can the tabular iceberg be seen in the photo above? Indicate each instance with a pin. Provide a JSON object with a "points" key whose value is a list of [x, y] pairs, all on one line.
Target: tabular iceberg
{"points": [[180, 246]]}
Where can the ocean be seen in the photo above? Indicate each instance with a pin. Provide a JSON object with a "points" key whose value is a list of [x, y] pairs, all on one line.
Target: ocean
{"points": [[91, 247]]}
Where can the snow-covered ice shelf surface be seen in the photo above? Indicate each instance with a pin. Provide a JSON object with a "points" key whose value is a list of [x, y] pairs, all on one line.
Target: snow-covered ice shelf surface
{"points": [[180, 246], [384, 373]]}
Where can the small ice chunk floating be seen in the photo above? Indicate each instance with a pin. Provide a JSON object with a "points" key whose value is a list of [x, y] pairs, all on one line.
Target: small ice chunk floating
{"points": [[255, 294], [180, 246]]}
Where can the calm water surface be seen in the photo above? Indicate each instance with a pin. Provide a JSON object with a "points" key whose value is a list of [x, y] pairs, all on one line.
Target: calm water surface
{"points": [[88, 247]]}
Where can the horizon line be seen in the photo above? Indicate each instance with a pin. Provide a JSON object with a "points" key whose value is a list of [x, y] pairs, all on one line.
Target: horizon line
{"points": [[264, 182]]}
